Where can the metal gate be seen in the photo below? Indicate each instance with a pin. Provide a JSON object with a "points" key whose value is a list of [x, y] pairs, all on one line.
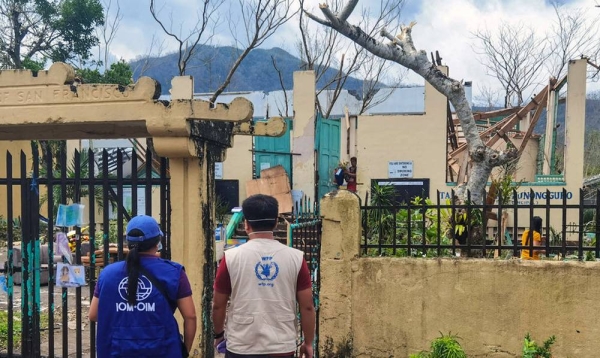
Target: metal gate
{"points": [[305, 235], [43, 320]]}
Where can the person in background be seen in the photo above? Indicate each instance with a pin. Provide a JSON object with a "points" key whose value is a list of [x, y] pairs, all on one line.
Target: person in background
{"points": [[136, 320], [351, 175], [532, 234], [263, 281]]}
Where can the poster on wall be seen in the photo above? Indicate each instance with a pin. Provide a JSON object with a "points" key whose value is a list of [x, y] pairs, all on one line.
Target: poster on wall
{"points": [[219, 170], [400, 169]]}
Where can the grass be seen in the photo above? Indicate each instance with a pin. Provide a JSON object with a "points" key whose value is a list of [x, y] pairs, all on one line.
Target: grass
{"points": [[4, 334], [17, 326]]}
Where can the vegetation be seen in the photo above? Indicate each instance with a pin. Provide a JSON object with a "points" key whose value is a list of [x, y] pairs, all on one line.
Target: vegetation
{"points": [[343, 349], [112, 235], [221, 210], [445, 346], [55, 30], [254, 74], [532, 350], [16, 332], [422, 223], [16, 230], [119, 73], [71, 194]]}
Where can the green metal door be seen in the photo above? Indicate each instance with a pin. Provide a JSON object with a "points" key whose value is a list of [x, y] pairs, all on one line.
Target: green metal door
{"points": [[328, 153], [272, 151]]}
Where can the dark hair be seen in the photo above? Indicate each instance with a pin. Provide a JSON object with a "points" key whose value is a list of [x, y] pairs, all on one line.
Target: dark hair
{"points": [[353, 158], [261, 211], [536, 222], [133, 262]]}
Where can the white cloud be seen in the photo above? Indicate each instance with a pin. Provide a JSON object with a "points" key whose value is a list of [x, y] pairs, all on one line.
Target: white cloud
{"points": [[447, 26], [443, 25]]}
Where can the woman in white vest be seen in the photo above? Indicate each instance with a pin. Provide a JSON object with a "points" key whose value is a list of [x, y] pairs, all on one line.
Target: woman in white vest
{"points": [[263, 280]]}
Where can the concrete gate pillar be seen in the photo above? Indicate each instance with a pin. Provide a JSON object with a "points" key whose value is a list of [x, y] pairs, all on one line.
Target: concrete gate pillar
{"points": [[193, 134]]}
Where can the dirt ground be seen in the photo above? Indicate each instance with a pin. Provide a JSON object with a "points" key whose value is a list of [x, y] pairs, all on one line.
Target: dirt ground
{"points": [[70, 329]]}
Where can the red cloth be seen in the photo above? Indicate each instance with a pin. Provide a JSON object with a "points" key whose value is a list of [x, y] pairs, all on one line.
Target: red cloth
{"points": [[351, 187], [223, 281]]}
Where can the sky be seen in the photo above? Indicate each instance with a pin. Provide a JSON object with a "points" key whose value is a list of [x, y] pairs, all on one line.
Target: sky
{"points": [[443, 25]]}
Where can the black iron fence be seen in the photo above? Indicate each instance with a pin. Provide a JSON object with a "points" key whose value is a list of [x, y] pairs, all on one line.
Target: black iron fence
{"points": [[443, 228], [305, 235], [42, 319]]}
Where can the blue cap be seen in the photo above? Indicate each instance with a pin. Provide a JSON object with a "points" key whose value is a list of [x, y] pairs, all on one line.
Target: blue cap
{"points": [[145, 224]]}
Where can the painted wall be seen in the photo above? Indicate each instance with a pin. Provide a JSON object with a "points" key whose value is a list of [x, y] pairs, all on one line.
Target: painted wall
{"points": [[15, 148], [303, 136], [238, 163], [420, 138], [394, 307]]}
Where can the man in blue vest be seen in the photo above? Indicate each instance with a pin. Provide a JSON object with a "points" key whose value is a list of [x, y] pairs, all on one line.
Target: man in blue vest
{"points": [[263, 280], [137, 320]]}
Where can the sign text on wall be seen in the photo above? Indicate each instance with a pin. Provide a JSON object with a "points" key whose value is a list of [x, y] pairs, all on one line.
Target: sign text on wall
{"points": [[400, 169]]}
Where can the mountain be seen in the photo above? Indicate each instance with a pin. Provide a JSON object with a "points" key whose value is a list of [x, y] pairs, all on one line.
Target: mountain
{"points": [[210, 65]]}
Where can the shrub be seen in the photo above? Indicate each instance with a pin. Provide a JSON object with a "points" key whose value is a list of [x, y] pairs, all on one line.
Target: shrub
{"points": [[445, 346], [532, 350]]}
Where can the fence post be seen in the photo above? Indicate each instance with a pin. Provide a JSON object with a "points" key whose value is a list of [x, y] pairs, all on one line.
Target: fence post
{"points": [[340, 246]]}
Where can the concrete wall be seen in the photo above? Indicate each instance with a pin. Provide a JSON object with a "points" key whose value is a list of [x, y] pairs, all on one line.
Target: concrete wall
{"points": [[393, 307], [238, 163], [420, 138], [303, 136]]}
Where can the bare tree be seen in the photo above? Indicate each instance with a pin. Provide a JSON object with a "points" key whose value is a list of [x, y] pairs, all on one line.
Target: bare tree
{"points": [[260, 19], [149, 60], [320, 47], [379, 81], [107, 32], [515, 55], [401, 49], [488, 97], [285, 112], [201, 34], [573, 35]]}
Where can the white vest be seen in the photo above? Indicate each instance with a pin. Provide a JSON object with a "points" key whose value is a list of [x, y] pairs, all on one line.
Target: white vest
{"points": [[261, 318]]}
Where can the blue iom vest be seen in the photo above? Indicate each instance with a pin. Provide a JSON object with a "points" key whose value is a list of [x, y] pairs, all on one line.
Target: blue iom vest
{"points": [[147, 329]]}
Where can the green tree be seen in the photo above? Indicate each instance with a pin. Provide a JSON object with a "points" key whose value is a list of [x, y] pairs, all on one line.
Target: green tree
{"points": [[58, 30], [119, 73]]}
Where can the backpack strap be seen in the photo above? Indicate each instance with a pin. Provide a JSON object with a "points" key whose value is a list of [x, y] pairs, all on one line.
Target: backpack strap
{"points": [[159, 286]]}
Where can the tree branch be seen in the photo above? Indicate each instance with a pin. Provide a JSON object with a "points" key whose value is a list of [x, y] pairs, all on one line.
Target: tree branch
{"points": [[348, 9]]}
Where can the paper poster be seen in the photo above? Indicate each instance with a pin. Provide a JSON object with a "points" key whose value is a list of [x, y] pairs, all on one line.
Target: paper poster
{"points": [[69, 215], [62, 246], [70, 275]]}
